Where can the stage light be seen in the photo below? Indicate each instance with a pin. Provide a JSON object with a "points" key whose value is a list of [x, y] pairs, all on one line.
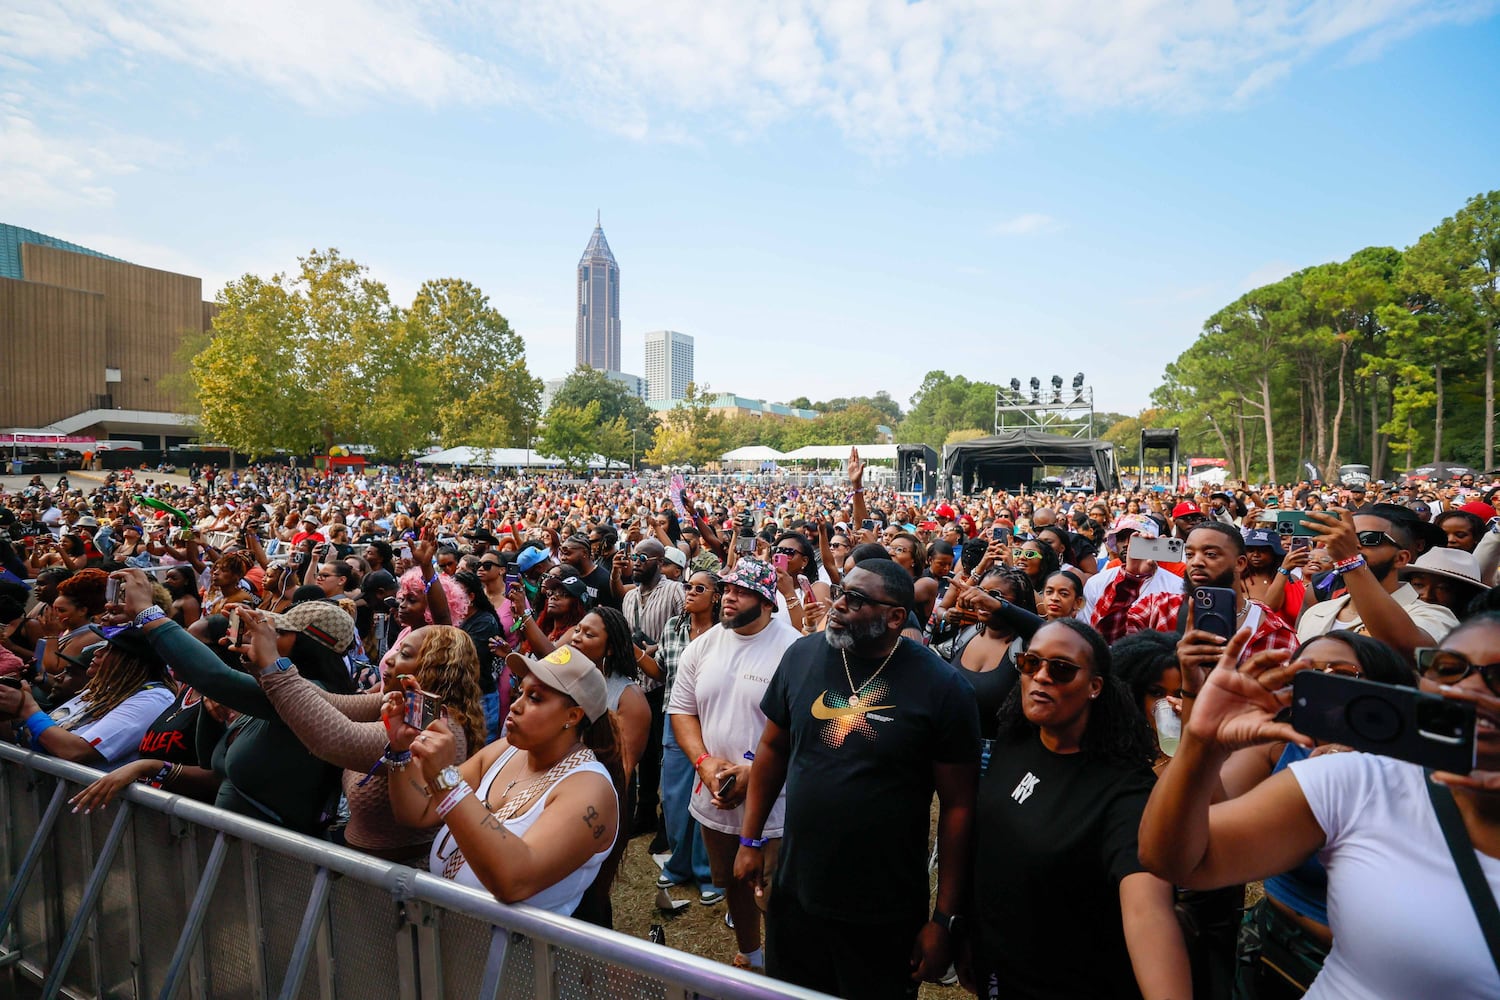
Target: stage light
{"points": [[1015, 385], [1057, 381], [1036, 389], [1078, 381]]}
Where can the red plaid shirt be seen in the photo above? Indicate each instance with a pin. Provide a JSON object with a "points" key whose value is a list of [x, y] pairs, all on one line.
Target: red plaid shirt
{"points": [[1158, 613]]}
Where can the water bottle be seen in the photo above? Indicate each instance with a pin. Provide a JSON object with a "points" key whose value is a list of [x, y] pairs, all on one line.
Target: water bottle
{"points": [[1168, 726]]}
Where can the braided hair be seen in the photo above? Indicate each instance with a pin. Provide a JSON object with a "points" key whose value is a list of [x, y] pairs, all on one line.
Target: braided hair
{"points": [[619, 650]]}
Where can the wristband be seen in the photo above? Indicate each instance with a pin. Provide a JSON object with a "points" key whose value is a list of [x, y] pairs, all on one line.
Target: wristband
{"points": [[1350, 564], [37, 723], [1285, 572], [148, 616], [455, 795], [697, 764], [753, 842]]}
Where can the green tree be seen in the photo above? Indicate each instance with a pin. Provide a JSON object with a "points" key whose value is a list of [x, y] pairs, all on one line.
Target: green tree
{"points": [[943, 404], [474, 374], [569, 434], [691, 433], [586, 385], [1477, 227]]}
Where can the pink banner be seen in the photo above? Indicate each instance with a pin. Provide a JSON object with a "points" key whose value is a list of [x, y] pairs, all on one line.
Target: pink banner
{"points": [[45, 439]]}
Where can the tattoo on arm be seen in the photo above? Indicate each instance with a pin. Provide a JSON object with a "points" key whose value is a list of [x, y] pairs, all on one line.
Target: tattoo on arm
{"points": [[420, 787], [589, 817]]}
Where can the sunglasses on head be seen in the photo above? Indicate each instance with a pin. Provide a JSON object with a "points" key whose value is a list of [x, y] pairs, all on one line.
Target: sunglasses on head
{"points": [[1447, 667], [1060, 671]]}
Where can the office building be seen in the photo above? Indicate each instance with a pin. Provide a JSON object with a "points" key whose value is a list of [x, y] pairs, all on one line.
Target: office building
{"points": [[88, 342], [669, 364], [598, 340]]}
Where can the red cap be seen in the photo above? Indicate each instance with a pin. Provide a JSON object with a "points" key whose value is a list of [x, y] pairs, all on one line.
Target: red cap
{"points": [[1186, 507], [945, 511], [1480, 509]]}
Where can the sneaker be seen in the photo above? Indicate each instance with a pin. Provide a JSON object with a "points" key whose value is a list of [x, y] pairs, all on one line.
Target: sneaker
{"points": [[662, 859], [950, 977], [665, 881], [709, 895], [729, 919]]}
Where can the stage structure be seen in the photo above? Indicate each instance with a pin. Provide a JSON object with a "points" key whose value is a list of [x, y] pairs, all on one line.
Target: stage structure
{"points": [[1161, 439], [1052, 410]]}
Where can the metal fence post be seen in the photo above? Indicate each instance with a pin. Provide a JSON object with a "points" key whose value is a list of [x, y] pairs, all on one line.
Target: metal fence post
{"points": [[185, 954], [39, 843], [494, 964], [86, 904], [317, 905]]}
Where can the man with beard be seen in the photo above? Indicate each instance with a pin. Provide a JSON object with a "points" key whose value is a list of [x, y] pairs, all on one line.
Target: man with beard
{"points": [[717, 721], [862, 725], [647, 606], [1369, 548], [1215, 557]]}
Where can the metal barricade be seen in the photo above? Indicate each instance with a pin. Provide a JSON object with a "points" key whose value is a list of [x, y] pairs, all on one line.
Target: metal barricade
{"points": [[162, 896]]}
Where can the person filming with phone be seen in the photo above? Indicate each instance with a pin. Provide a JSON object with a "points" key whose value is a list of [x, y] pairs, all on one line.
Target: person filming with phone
{"points": [[1369, 548], [1412, 857]]}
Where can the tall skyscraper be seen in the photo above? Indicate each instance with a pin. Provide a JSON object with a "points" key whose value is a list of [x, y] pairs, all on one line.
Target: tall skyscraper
{"points": [[669, 364], [598, 305]]}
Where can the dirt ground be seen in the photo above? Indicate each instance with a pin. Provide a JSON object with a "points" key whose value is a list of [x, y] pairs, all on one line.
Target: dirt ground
{"points": [[696, 928]]}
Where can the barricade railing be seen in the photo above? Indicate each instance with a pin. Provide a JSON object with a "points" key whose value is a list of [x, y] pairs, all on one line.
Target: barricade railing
{"points": [[163, 896]]}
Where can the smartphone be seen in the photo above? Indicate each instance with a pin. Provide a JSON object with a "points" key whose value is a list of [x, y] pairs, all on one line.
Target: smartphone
{"points": [[1157, 549], [421, 707], [1000, 533], [1300, 542], [112, 591], [808, 597], [943, 585], [780, 560], [404, 552], [1213, 609], [234, 625], [1385, 719], [727, 786], [868, 524], [1293, 522], [512, 580]]}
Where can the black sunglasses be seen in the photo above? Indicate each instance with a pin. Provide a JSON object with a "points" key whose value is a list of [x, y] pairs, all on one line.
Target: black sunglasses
{"points": [[1370, 539], [789, 552], [486, 564], [1447, 667], [854, 600], [1061, 671]]}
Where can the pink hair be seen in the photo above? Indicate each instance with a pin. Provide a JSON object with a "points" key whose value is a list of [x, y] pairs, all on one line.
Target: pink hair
{"points": [[458, 598]]}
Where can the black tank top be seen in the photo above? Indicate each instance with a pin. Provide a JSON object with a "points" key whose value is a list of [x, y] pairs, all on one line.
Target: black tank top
{"points": [[991, 688], [171, 737]]}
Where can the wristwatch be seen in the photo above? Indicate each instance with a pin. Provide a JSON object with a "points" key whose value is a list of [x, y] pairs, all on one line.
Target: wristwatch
{"points": [[447, 779], [279, 666], [953, 923]]}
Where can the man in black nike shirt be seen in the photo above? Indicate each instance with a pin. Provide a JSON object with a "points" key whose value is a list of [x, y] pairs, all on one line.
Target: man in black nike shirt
{"points": [[863, 725]]}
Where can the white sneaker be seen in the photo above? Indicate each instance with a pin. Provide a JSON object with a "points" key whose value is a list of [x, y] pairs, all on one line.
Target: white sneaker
{"points": [[661, 859]]}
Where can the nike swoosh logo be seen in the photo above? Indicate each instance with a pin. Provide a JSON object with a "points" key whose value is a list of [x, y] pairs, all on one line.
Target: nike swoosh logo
{"points": [[820, 709]]}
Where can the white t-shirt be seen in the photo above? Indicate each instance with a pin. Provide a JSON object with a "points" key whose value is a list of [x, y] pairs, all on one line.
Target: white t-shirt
{"points": [[1402, 923], [721, 679], [116, 735]]}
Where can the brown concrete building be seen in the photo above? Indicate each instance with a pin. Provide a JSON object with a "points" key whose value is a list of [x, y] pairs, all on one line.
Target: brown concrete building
{"points": [[87, 341]]}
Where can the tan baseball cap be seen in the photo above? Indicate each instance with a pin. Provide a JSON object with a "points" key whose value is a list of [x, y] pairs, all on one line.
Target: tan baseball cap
{"points": [[569, 671]]}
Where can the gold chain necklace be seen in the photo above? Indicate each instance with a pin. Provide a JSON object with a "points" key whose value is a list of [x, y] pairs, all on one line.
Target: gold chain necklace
{"points": [[854, 696]]}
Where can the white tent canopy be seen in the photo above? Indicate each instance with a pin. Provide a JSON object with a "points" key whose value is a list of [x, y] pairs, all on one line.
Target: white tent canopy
{"points": [[840, 452], [752, 453], [507, 457]]}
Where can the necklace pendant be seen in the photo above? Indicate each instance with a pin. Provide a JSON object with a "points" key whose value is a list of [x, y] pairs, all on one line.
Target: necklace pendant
{"points": [[853, 700]]}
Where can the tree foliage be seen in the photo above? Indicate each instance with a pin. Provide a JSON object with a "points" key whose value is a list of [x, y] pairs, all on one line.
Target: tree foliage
{"points": [[691, 433], [301, 362], [1344, 361], [590, 385]]}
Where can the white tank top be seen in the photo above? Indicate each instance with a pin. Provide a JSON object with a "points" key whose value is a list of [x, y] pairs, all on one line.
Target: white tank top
{"points": [[562, 897]]}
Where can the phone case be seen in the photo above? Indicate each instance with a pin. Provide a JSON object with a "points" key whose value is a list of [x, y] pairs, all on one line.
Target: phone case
{"points": [[1385, 719], [1214, 610]]}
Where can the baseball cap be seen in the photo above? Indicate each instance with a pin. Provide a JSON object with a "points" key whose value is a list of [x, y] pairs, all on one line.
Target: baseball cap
{"points": [[572, 584], [570, 672], [1138, 523], [1259, 538], [676, 556], [530, 559], [753, 574], [1186, 508], [326, 623], [1479, 509]]}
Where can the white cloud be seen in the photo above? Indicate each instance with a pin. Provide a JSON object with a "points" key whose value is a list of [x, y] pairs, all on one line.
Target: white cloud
{"points": [[43, 171], [888, 74], [1026, 224]]}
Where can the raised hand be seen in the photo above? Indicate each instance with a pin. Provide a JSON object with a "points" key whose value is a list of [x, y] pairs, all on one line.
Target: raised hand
{"points": [[1238, 708]]}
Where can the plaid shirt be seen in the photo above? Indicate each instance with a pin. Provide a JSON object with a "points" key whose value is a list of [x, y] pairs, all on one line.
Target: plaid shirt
{"points": [[1158, 613], [650, 615], [674, 639]]}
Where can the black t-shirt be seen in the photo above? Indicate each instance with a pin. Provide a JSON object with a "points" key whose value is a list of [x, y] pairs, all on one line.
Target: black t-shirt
{"points": [[1054, 837], [482, 626], [597, 581], [172, 737], [859, 783]]}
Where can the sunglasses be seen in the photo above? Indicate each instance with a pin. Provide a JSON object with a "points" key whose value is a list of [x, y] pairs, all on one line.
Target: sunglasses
{"points": [[1027, 554], [1370, 539], [1061, 671], [1449, 668], [789, 553], [854, 600], [489, 565], [1339, 668], [698, 588], [641, 558]]}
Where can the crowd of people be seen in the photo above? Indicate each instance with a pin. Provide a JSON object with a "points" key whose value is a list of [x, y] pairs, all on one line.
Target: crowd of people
{"points": [[1064, 709]]}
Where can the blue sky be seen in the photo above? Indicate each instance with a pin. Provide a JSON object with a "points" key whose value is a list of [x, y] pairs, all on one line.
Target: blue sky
{"points": [[832, 197]]}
